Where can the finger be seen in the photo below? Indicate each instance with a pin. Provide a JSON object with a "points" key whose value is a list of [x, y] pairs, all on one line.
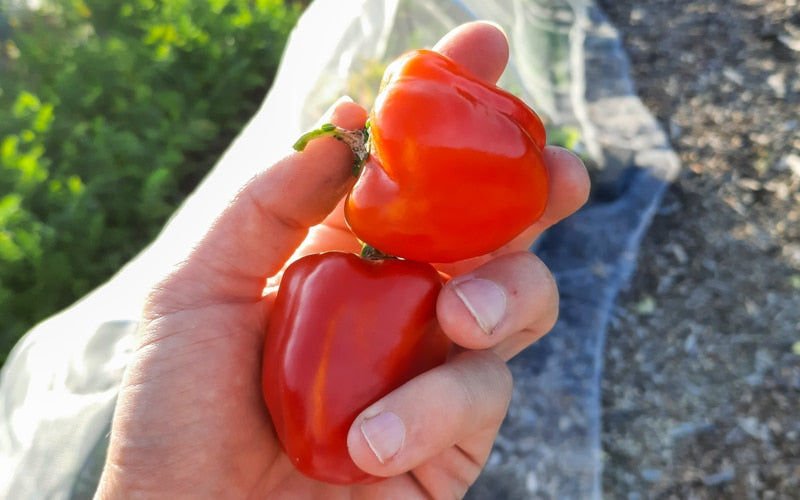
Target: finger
{"points": [[480, 46], [270, 217], [568, 191], [332, 234], [506, 305], [451, 413]]}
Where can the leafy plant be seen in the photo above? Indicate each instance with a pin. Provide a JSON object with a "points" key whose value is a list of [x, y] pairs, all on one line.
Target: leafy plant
{"points": [[110, 113]]}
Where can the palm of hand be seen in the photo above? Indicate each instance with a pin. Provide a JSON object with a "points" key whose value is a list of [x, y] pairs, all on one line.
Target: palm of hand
{"points": [[190, 420]]}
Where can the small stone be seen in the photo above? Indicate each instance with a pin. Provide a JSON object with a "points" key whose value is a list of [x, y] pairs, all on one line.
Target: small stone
{"points": [[791, 42], [790, 162], [646, 306], [531, 482], [733, 75], [679, 253], [753, 427], [690, 344], [749, 184], [777, 83]]}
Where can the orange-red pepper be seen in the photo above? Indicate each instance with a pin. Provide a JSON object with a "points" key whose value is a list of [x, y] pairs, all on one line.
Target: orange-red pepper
{"points": [[455, 167], [344, 332]]}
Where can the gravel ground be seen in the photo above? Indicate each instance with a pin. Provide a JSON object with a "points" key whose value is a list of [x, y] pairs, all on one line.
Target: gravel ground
{"points": [[701, 389]]}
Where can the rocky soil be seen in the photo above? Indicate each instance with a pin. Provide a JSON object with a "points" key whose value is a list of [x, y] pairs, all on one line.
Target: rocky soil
{"points": [[701, 389]]}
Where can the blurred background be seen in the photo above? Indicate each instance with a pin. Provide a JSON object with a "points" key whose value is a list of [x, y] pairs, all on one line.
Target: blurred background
{"points": [[701, 383], [110, 114]]}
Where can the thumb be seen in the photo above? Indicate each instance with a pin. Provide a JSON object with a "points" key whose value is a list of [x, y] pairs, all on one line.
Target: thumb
{"points": [[444, 420], [259, 230]]}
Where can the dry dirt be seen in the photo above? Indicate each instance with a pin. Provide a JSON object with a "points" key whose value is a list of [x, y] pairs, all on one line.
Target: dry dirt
{"points": [[701, 389]]}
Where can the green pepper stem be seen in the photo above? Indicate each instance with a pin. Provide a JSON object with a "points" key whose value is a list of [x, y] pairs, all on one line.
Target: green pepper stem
{"points": [[356, 140], [371, 253]]}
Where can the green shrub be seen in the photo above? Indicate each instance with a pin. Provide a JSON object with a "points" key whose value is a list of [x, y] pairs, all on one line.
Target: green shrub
{"points": [[110, 113]]}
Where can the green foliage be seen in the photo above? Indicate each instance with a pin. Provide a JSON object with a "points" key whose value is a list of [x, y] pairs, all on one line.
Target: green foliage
{"points": [[110, 113]]}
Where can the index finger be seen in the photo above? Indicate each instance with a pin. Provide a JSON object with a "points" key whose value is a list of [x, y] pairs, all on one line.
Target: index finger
{"points": [[481, 47], [268, 219]]}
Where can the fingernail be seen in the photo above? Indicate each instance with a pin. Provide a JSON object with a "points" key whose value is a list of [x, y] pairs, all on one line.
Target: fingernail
{"points": [[326, 117], [385, 434], [484, 299]]}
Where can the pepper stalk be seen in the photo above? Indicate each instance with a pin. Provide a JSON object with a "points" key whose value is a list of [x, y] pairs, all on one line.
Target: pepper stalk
{"points": [[356, 140]]}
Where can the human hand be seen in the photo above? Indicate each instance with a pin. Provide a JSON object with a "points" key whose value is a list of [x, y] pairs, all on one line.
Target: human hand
{"points": [[190, 421]]}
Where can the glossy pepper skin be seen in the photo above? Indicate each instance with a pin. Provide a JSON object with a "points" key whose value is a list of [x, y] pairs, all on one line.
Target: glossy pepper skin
{"points": [[344, 331], [455, 169]]}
